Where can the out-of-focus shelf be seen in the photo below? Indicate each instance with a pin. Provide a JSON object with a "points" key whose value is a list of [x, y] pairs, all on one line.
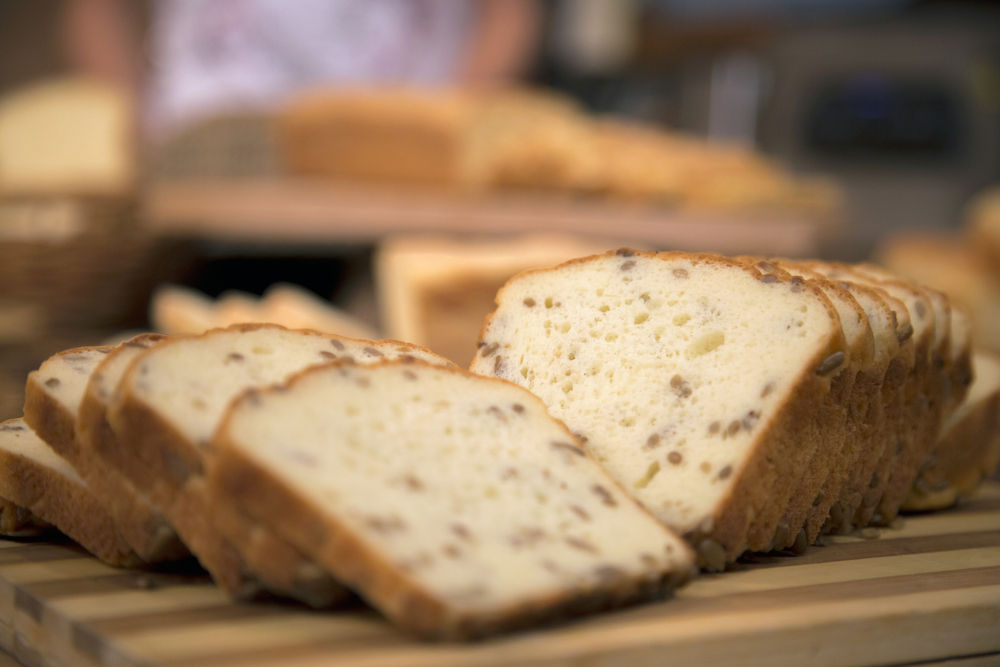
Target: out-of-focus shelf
{"points": [[319, 211]]}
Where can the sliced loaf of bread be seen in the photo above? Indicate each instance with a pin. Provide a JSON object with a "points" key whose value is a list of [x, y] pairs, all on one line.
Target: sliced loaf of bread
{"points": [[53, 397], [34, 477], [452, 502], [165, 409], [696, 381]]}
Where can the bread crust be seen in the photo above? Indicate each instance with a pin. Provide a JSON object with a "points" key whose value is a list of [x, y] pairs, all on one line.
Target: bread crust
{"points": [[63, 503], [237, 476]]}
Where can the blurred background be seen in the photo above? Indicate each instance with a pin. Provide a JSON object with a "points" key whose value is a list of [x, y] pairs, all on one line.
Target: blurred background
{"points": [[378, 168]]}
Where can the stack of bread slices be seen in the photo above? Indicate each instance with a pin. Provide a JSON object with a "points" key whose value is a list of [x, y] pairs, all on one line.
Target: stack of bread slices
{"points": [[739, 403]]}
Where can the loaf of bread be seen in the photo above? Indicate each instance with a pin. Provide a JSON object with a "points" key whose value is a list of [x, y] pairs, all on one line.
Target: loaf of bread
{"points": [[435, 292], [67, 137], [53, 397], [34, 477], [698, 382], [167, 405], [452, 502]]}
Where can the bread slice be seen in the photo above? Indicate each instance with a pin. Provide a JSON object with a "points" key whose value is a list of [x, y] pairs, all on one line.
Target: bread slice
{"points": [[167, 406], [820, 487], [452, 502], [34, 477], [53, 396], [17, 521], [696, 381], [969, 447]]}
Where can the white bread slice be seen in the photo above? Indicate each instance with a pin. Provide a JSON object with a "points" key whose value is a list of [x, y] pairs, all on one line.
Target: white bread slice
{"points": [[248, 557], [452, 502], [53, 396], [969, 447], [820, 486], [696, 381], [36, 478], [167, 405]]}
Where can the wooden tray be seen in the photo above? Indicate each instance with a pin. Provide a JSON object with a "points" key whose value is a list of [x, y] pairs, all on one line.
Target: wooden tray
{"points": [[928, 592], [301, 210]]}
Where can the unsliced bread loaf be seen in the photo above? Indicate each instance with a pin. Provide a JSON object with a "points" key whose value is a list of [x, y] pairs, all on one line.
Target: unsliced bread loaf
{"points": [[696, 381], [53, 396], [452, 502], [167, 406], [969, 447], [36, 478]]}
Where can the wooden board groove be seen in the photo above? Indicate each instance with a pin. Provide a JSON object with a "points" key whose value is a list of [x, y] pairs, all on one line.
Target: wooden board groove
{"points": [[928, 591]]}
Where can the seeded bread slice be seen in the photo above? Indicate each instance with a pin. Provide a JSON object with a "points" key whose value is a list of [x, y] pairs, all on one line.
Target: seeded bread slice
{"points": [[17, 521], [696, 381], [452, 502], [969, 447], [167, 406], [821, 486], [36, 478], [53, 396]]}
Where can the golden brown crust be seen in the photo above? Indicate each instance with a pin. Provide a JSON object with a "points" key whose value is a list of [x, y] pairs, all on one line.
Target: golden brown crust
{"points": [[237, 476], [65, 504]]}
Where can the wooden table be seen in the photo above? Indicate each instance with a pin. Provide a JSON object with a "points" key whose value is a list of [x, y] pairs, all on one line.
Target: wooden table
{"points": [[928, 592], [320, 211]]}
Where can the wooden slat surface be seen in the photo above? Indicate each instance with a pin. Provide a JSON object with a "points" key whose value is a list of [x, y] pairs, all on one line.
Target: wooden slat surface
{"points": [[928, 592], [319, 211]]}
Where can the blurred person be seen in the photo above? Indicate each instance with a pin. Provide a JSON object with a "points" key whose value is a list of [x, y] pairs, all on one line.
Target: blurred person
{"points": [[209, 57]]}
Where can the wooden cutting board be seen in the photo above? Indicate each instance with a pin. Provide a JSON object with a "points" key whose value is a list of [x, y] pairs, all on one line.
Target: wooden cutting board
{"points": [[927, 592]]}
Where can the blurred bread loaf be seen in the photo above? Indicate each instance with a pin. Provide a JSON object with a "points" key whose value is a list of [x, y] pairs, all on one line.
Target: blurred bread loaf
{"points": [[435, 292], [71, 136]]}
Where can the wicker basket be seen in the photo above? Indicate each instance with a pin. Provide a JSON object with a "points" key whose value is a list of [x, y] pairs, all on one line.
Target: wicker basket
{"points": [[76, 257]]}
